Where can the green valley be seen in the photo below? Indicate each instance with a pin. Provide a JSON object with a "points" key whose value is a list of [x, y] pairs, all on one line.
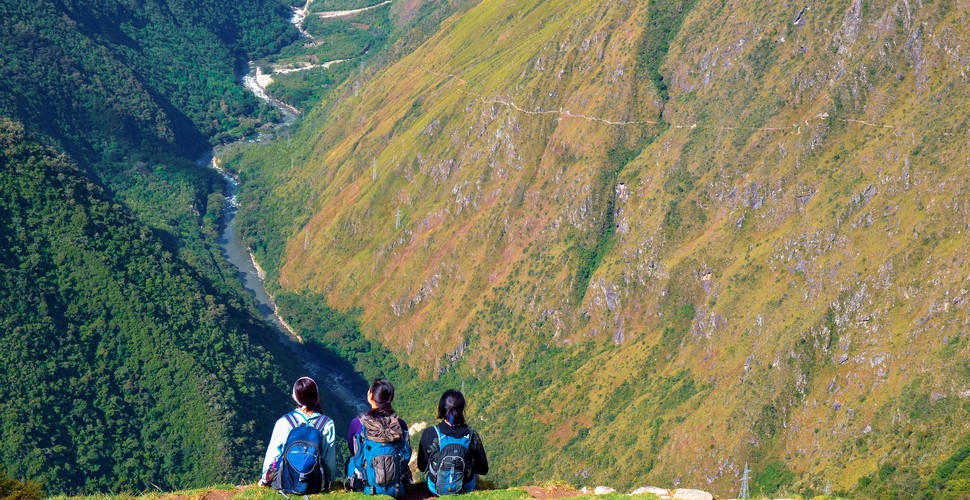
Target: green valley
{"points": [[122, 366], [131, 359]]}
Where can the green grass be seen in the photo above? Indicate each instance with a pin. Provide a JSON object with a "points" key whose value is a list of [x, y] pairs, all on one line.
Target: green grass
{"points": [[259, 493]]}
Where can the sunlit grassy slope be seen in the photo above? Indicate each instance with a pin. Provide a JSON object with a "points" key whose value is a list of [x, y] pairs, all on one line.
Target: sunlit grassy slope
{"points": [[660, 239]]}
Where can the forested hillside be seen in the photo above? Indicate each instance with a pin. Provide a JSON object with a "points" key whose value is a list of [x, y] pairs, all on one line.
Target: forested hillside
{"points": [[106, 75], [655, 239], [131, 358], [121, 367]]}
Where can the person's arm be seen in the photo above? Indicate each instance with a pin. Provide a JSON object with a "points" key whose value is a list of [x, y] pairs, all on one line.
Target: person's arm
{"points": [[427, 440], [280, 430], [406, 477], [478, 454], [354, 428], [330, 452]]}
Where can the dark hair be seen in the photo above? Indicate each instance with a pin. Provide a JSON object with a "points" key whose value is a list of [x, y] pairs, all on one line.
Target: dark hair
{"points": [[383, 393], [306, 394], [451, 407]]}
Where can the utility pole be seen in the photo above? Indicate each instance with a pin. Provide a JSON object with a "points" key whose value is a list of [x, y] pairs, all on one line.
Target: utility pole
{"points": [[744, 482], [397, 221], [374, 175]]}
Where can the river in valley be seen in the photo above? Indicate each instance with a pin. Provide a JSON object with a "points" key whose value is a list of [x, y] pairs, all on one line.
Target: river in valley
{"points": [[342, 389]]}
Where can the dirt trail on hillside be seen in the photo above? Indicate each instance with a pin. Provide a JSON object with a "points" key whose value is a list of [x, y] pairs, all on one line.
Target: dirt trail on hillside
{"points": [[563, 113], [278, 70], [342, 13]]}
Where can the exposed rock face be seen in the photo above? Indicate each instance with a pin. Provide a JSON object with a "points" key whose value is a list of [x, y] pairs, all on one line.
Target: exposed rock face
{"points": [[689, 494]]}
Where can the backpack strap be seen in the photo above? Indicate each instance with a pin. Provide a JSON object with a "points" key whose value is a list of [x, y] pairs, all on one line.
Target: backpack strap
{"points": [[432, 472], [320, 421], [291, 419]]}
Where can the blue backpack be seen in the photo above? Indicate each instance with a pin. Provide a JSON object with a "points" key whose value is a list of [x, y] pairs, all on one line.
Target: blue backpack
{"points": [[381, 452], [301, 468], [450, 470]]}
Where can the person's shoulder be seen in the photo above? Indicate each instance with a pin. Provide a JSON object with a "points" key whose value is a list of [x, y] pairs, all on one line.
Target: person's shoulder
{"points": [[473, 433], [455, 431], [356, 424]]}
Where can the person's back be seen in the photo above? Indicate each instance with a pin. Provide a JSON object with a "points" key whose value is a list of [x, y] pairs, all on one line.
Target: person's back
{"points": [[451, 452], [381, 456], [380, 445], [300, 457]]}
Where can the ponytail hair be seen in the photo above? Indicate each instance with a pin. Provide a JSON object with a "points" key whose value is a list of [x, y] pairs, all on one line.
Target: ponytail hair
{"points": [[305, 393], [451, 407], [383, 393]]}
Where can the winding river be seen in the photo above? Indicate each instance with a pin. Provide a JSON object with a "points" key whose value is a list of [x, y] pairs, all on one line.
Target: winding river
{"points": [[342, 388]]}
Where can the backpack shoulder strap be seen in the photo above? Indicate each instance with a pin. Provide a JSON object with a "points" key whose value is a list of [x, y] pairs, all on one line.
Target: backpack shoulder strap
{"points": [[320, 421], [291, 419]]}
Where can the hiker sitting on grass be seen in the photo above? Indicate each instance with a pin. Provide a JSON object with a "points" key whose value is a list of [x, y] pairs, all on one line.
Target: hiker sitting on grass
{"points": [[451, 452], [300, 458], [380, 445]]}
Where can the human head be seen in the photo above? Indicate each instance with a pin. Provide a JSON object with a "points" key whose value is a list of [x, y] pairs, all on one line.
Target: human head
{"points": [[380, 395], [305, 394], [451, 407]]}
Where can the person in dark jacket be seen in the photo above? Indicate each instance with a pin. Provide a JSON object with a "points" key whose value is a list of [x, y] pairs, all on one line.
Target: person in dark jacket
{"points": [[452, 428]]}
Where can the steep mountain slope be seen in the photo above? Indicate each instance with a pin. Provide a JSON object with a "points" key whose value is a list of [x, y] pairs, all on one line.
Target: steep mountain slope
{"points": [[135, 91], [131, 359], [121, 367], [689, 234], [114, 74]]}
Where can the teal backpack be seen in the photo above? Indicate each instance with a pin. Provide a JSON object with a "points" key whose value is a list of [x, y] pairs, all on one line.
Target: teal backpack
{"points": [[450, 471], [381, 453]]}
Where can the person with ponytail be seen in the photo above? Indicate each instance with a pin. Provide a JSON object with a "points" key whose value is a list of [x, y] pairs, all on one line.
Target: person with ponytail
{"points": [[451, 452], [380, 446], [307, 413], [379, 397]]}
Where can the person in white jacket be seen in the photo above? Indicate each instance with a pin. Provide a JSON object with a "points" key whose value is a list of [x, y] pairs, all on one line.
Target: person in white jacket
{"points": [[307, 411]]}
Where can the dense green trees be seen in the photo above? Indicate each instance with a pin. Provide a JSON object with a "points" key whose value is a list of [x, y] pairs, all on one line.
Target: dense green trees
{"points": [[105, 74], [121, 369], [338, 332], [129, 357]]}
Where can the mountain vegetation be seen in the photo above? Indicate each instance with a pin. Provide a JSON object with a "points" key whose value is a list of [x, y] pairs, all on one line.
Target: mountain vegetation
{"points": [[653, 239], [122, 367], [131, 358]]}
